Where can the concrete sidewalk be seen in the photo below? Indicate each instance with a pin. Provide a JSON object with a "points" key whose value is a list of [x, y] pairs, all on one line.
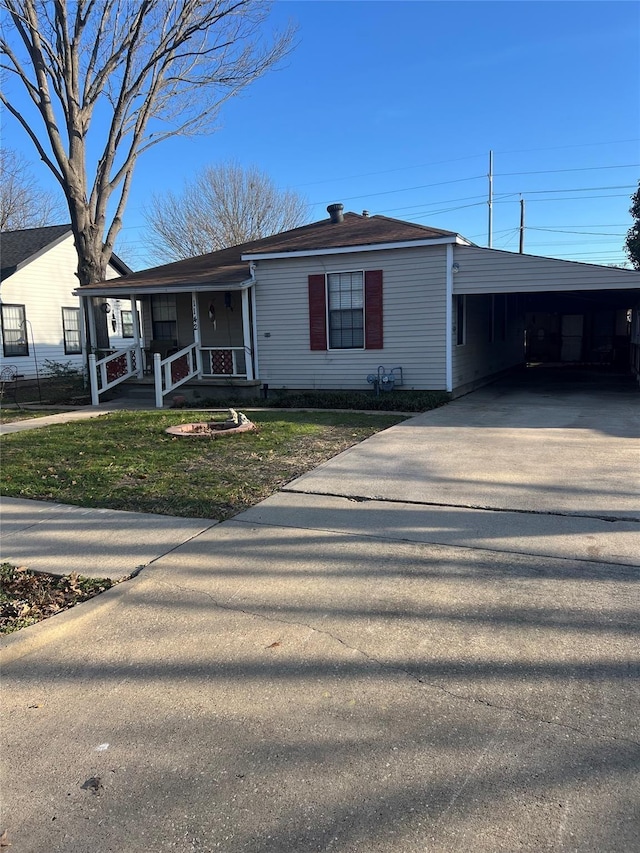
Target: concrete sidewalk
{"points": [[99, 543], [297, 680], [331, 673]]}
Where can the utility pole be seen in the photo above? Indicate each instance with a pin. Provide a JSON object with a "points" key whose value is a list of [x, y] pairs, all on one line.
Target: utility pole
{"points": [[521, 225], [490, 239]]}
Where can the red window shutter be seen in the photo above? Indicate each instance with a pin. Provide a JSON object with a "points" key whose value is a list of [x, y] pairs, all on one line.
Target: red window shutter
{"points": [[373, 338], [317, 313]]}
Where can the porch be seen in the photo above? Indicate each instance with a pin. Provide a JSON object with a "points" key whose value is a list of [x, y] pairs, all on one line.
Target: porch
{"points": [[204, 336]]}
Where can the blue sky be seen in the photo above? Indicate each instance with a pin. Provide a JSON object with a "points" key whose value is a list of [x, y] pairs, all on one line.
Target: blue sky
{"points": [[393, 107]]}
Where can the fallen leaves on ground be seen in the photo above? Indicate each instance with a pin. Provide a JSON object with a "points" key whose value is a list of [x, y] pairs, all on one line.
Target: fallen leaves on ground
{"points": [[27, 597]]}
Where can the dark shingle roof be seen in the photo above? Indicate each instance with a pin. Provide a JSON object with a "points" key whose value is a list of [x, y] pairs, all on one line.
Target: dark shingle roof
{"points": [[226, 267], [16, 247], [19, 246]]}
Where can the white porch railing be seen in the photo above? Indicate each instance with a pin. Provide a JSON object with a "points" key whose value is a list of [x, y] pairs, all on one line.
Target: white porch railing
{"points": [[224, 362], [173, 371], [107, 372]]}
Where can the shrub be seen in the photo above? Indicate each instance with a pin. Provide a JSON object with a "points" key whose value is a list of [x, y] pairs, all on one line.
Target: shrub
{"points": [[64, 381], [390, 401]]}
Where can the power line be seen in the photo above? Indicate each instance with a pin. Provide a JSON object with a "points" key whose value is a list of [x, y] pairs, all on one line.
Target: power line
{"points": [[558, 171]]}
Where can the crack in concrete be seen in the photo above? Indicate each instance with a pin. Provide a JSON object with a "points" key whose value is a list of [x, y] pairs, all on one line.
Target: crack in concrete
{"points": [[380, 499], [401, 670]]}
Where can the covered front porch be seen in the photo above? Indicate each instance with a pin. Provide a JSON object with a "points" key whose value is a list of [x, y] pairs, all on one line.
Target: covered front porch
{"points": [[204, 334]]}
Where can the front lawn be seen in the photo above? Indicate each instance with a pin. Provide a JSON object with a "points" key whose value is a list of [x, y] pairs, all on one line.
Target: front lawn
{"points": [[126, 461]]}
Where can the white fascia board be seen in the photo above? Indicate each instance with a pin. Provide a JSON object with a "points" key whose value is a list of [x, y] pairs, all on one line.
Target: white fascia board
{"points": [[147, 290], [344, 250]]}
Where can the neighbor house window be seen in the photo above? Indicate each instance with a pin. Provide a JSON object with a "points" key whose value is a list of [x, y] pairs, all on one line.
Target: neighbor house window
{"points": [[345, 294], [127, 324], [14, 330], [460, 314], [164, 317], [71, 330]]}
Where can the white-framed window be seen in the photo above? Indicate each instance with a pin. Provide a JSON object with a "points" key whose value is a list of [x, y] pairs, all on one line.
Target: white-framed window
{"points": [[127, 324], [460, 319], [14, 330], [71, 330], [164, 317], [345, 307]]}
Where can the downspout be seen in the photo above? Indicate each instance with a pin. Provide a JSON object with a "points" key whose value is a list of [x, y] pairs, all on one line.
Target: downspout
{"points": [[448, 337]]}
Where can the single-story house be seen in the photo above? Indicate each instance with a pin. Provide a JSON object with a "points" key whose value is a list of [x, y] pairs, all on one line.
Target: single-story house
{"points": [[352, 299], [40, 313]]}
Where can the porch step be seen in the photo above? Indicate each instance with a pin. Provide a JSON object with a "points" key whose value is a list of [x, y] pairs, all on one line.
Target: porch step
{"points": [[138, 390]]}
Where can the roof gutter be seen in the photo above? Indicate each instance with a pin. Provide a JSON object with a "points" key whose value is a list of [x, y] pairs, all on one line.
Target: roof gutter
{"points": [[343, 250], [141, 290]]}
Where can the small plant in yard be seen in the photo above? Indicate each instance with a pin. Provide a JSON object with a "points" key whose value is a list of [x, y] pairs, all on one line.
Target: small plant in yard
{"points": [[63, 382], [28, 597], [393, 401]]}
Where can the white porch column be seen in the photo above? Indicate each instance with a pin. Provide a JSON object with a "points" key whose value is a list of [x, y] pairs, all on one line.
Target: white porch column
{"points": [[254, 333], [136, 335], [448, 319], [247, 338], [196, 331]]}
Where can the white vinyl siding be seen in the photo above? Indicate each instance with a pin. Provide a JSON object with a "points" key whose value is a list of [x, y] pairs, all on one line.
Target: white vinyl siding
{"points": [[495, 271], [482, 357], [45, 286], [414, 310]]}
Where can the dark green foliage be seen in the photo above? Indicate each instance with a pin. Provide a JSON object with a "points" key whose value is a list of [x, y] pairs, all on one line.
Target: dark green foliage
{"points": [[633, 234], [392, 401]]}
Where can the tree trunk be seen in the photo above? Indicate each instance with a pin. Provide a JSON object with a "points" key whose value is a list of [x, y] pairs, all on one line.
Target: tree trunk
{"points": [[91, 269]]}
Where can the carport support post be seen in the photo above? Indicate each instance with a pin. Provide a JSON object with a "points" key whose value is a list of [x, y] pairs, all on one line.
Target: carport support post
{"points": [[246, 336], [448, 336]]}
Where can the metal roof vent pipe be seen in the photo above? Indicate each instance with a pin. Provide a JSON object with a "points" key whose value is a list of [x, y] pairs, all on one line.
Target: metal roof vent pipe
{"points": [[335, 212], [365, 213]]}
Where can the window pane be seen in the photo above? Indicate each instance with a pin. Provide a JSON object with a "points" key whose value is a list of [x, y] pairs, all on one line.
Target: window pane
{"points": [[127, 324], [163, 309], [346, 314], [14, 330], [71, 330]]}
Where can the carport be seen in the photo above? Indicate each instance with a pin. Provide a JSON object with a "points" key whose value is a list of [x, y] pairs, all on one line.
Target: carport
{"points": [[513, 309]]}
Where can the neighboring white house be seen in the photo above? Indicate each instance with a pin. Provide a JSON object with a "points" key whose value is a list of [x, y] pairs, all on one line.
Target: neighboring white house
{"points": [[324, 306], [40, 316]]}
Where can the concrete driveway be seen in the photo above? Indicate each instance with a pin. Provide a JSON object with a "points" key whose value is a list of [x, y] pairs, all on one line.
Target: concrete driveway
{"points": [[330, 674], [526, 444]]}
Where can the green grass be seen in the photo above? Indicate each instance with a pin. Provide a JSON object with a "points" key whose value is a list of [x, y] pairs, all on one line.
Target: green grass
{"points": [[126, 461]]}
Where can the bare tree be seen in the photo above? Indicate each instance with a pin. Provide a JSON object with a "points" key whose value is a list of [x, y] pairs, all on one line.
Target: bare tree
{"points": [[23, 203], [119, 77], [223, 206]]}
